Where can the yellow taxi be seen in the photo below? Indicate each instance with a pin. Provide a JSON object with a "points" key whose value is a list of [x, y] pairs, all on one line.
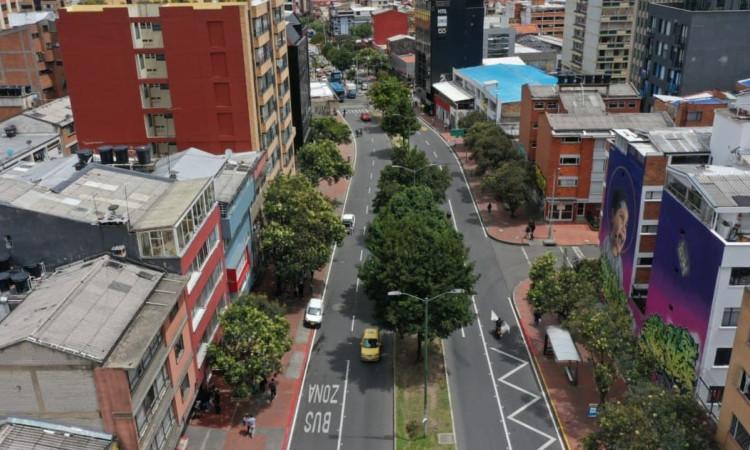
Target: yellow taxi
{"points": [[369, 347]]}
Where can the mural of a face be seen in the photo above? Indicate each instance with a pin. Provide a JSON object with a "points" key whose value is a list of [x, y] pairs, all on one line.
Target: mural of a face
{"points": [[619, 231]]}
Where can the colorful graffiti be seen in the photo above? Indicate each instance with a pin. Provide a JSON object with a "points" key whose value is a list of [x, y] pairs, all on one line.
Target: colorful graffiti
{"points": [[672, 348]]}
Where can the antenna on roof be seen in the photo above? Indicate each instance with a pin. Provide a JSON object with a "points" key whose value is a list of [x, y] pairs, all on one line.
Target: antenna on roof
{"points": [[127, 207]]}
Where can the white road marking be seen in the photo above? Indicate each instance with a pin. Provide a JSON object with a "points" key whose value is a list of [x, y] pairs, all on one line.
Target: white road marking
{"points": [[463, 333], [435, 155], [352, 327], [371, 175], [427, 142], [453, 216], [364, 230], [368, 189], [448, 385], [315, 331], [361, 253], [356, 286], [536, 375], [373, 163], [492, 375], [343, 405], [534, 399], [526, 255], [367, 209]]}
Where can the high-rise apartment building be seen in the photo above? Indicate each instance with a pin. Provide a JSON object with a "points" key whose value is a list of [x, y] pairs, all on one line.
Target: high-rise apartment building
{"points": [[208, 75], [596, 39], [299, 77], [448, 35], [547, 15], [639, 37], [693, 47]]}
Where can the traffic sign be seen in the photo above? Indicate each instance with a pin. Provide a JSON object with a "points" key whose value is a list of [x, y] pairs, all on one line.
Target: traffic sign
{"points": [[458, 132]]}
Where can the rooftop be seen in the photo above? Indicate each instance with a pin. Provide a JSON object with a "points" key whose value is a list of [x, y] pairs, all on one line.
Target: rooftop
{"points": [[681, 140], [398, 37], [540, 43], [56, 112], [582, 102], [701, 98], [607, 121], [19, 19], [30, 135], [28, 434], [722, 186], [190, 164], [408, 58], [169, 208], [507, 79], [526, 29], [613, 90], [320, 89], [81, 309], [452, 91]]}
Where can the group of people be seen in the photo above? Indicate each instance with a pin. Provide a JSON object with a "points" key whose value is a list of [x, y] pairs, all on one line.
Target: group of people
{"points": [[266, 388], [209, 399]]}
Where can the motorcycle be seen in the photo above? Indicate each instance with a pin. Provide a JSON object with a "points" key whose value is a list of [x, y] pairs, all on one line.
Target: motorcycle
{"points": [[501, 327]]}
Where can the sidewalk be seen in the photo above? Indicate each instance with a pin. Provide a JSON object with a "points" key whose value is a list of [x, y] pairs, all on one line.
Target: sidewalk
{"points": [[499, 225], [224, 431], [570, 404]]}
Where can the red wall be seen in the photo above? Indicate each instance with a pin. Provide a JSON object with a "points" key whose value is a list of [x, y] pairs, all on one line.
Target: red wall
{"points": [[388, 24], [104, 87]]}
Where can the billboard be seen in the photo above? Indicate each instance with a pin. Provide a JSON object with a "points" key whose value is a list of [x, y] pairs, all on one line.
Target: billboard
{"points": [[687, 258], [620, 212]]}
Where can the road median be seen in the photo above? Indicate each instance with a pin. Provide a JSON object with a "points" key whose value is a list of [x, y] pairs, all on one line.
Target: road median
{"points": [[409, 387]]}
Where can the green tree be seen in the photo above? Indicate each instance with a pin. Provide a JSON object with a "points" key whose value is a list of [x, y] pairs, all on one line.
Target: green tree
{"points": [[472, 118], [652, 418], [362, 31], [301, 227], [509, 183], [322, 160], [252, 344], [385, 92], [489, 146], [399, 119], [543, 289], [331, 129], [418, 171], [414, 249]]}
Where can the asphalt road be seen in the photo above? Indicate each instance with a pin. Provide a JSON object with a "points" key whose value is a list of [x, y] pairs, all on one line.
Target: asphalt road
{"points": [[497, 400], [346, 403]]}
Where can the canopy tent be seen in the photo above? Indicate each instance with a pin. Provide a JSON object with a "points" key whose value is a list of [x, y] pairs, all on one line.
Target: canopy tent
{"points": [[559, 343]]}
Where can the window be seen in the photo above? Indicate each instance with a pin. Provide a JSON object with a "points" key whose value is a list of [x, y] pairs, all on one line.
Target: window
{"points": [[730, 317], [567, 181], [694, 116], [653, 195], [538, 106], [135, 375], [200, 305], [739, 433], [570, 160], [571, 140], [740, 276], [185, 387], [533, 144], [645, 260], [151, 401], [179, 348], [723, 355], [552, 106], [194, 217], [162, 432], [744, 385], [715, 394], [535, 125], [205, 251], [158, 243]]}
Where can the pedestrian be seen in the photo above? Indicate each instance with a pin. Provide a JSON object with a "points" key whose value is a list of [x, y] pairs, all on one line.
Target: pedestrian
{"points": [[528, 232], [489, 208], [217, 400], [248, 420], [344, 112], [272, 388], [532, 226], [263, 384], [537, 317]]}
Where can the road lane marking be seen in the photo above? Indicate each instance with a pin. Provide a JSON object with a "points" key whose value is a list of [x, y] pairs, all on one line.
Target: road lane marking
{"points": [[371, 175], [534, 398], [537, 377], [448, 385], [427, 142], [435, 154], [323, 296], [373, 163], [492, 374], [367, 209], [356, 286], [352, 327], [364, 230], [369, 189], [343, 405], [526, 255], [453, 216], [361, 252], [463, 333]]}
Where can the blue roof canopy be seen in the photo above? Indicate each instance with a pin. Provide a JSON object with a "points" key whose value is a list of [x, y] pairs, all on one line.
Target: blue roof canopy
{"points": [[509, 77]]}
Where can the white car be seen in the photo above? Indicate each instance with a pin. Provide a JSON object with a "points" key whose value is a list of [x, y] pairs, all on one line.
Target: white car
{"points": [[363, 87], [314, 312], [348, 221]]}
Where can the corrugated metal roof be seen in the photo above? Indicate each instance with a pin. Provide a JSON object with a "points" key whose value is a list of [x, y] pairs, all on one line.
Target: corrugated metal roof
{"points": [[505, 80], [602, 122], [452, 91], [679, 140], [723, 186], [26, 434]]}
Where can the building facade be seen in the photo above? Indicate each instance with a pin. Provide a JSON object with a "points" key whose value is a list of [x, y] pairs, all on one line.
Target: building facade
{"points": [[342, 19], [59, 114], [31, 67], [126, 367], [388, 23], [299, 78], [680, 56], [498, 39], [448, 35], [695, 110], [150, 82], [596, 40], [548, 16], [639, 38]]}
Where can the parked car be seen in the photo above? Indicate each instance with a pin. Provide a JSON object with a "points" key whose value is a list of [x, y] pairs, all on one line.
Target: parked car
{"points": [[365, 117], [314, 312], [369, 347]]}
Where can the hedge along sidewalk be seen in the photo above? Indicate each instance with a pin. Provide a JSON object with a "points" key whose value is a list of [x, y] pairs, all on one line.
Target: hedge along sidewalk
{"points": [[409, 386]]}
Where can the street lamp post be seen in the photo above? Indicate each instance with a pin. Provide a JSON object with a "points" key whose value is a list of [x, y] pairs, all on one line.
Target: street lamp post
{"points": [[550, 240], [413, 171], [426, 330]]}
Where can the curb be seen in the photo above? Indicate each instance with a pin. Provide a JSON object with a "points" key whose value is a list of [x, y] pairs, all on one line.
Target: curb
{"points": [[297, 390], [518, 244], [538, 370]]}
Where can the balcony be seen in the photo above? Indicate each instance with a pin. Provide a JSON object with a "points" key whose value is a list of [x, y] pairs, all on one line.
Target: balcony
{"points": [[151, 65], [146, 35], [159, 125], [155, 96]]}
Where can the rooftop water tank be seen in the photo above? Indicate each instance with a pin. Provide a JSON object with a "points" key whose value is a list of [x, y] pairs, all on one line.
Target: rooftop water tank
{"points": [[35, 270], [143, 153], [4, 281], [121, 154], [21, 281], [105, 154]]}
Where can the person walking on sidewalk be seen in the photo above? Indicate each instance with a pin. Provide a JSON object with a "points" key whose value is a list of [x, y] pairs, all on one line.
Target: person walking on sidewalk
{"points": [[489, 208], [249, 421], [217, 400], [532, 227], [272, 388]]}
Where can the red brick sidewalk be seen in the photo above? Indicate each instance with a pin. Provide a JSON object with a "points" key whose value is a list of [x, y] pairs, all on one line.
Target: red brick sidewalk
{"points": [[499, 225], [570, 403], [210, 431]]}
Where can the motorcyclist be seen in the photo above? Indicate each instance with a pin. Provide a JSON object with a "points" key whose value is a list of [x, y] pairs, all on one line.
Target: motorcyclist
{"points": [[499, 327]]}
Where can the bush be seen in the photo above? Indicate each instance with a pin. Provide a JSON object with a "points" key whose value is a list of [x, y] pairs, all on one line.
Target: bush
{"points": [[413, 429]]}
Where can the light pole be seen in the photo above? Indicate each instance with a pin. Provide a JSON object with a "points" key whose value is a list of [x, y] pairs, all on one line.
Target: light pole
{"points": [[426, 302], [413, 171], [550, 240]]}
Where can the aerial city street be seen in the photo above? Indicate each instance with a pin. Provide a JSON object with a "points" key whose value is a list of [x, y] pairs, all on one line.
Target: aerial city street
{"points": [[374, 225]]}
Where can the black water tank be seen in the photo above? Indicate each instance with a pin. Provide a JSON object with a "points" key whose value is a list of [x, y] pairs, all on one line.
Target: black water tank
{"points": [[21, 281], [4, 261], [105, 154], [144, 154], [35, 270], [84, 155], [121, 154], [4, 281]]}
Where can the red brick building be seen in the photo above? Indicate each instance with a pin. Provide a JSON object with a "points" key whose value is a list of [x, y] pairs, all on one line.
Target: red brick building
{"points": [[212, 76], [695, 110], [388, 23]]}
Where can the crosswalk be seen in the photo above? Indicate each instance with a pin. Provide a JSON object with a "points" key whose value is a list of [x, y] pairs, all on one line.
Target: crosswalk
{"points": [[356, 111]]}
